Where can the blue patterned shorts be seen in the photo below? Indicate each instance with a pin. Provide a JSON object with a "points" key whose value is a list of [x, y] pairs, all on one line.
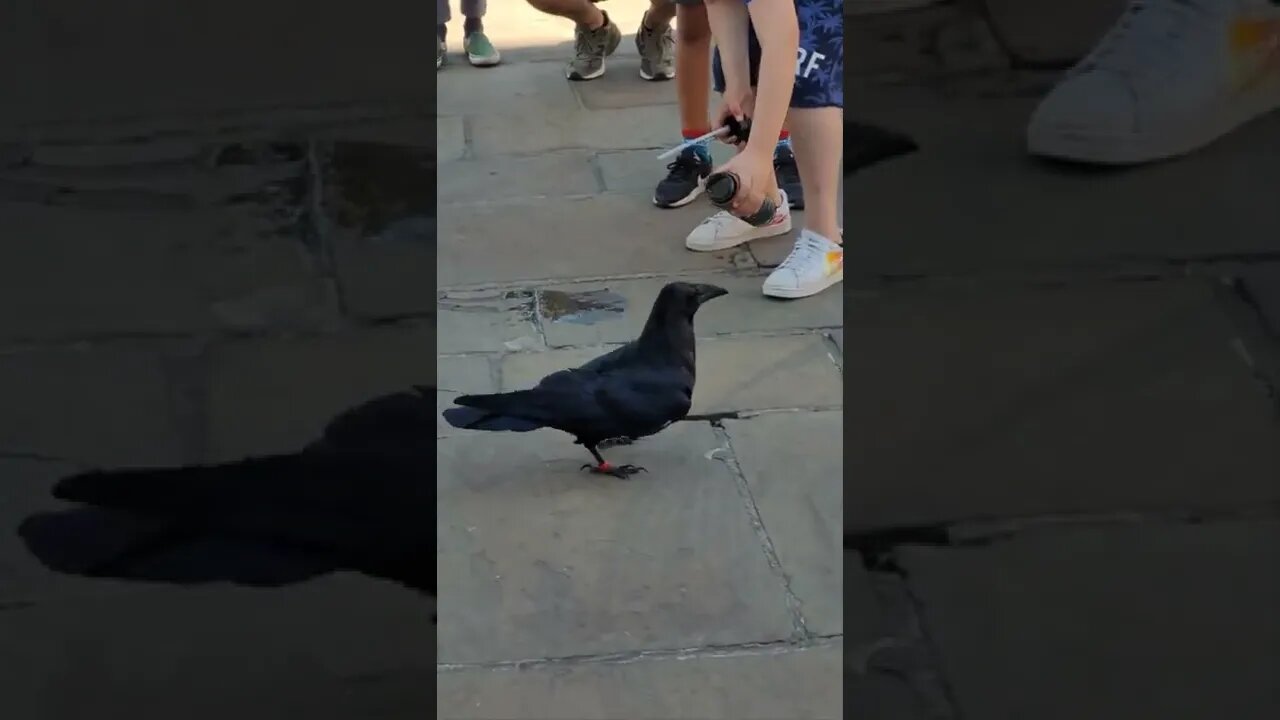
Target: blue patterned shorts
{"points": [[819, 61]]}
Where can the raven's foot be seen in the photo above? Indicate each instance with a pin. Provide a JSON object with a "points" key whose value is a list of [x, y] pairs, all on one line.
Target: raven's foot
{"points": [[618, 471], [615, 442]]}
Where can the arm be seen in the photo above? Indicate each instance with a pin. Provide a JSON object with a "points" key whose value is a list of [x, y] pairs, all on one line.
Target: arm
{"points": [[779, 33]]}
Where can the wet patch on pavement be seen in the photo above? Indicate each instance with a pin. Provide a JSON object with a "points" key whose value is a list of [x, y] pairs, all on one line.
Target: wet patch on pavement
{"points": [[580, 308], [384, 192]]}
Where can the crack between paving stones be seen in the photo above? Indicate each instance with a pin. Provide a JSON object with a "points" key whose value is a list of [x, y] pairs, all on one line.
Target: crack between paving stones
{"points": [[597, 172], [933, 656], [748, 649], [315, 230], [730, 459]]}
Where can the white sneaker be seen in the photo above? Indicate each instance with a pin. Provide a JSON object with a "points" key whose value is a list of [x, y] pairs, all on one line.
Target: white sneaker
{"points": [[724, 230], [814, 265], [1170, 77]]}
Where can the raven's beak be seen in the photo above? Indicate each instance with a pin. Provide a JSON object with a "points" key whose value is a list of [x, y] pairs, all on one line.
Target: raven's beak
{"points": [[708, 292]]}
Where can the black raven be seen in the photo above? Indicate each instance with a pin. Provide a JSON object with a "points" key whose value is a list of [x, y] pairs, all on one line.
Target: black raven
{"points": [[631, 392]]}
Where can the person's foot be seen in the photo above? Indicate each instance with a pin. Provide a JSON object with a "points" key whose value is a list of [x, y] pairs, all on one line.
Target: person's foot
{"points": [[815, 264], [480, 52], [442, 52], [657, 47], [784, 166], [590, 48], [723, 230], [685, 180], [1169, 78]]}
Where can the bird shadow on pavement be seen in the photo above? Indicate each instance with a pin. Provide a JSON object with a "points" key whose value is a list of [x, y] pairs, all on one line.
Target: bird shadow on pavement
{"points": [[361, 498]]}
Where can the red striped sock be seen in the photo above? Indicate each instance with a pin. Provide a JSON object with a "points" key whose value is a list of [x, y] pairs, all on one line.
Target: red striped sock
{"points": [[784, 135]]}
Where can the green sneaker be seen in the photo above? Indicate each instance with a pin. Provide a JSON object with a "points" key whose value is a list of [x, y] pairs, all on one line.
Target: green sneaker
{"points": [[590, 48], [481, 52]]}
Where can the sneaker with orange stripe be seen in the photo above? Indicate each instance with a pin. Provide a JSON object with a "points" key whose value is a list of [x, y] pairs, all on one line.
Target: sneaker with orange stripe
{"points": [[815, 264], [1170, 77]]}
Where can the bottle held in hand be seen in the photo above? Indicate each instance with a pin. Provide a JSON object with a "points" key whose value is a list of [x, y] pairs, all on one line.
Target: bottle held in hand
{"points": [[723, 187]]}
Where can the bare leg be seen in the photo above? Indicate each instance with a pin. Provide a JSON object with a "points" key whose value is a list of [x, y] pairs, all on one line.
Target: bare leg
{"points": [[693, 60], [817, 138], [582, 12], [660, 13]]}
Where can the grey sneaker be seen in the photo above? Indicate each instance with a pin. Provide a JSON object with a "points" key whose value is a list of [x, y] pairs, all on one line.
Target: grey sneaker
{"points": [[657, 48], [590, 48], [442, 52]]}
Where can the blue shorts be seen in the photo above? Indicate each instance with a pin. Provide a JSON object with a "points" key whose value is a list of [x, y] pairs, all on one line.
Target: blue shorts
{"points": [[819, 60]]}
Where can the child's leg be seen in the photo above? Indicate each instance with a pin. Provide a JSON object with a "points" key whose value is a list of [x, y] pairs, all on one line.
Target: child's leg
{"points": [[473, 11], [816, 121], [480, 51], [686, 175], [817, 138]]}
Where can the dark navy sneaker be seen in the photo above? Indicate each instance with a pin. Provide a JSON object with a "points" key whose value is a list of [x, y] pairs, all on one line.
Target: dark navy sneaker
{"points": [[784, 164], [685, 180]]}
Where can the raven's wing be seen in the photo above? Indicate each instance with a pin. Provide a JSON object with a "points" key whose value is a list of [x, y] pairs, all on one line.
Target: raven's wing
{"points": [[615, 359], [628, 401]]}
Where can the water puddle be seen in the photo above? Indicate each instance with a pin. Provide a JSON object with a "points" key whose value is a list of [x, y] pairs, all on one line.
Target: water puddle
{"points": [[384, 192], [581, 308]]}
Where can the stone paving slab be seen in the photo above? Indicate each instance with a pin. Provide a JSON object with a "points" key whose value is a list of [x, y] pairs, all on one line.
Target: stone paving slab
{"points": [[929, 213], [181, 652], [486, 321], [569, 128], [598, 236], [741, 687], [615, 311], [564, 173], [153, 264], [880, 696], [793, 463], [100, 406], [538, 559], [451, 138], [1109, 622], [1052, 400], [1262, 283], [381, 225], [270, 396], [734, 373], [101, 63], [525, 89]]}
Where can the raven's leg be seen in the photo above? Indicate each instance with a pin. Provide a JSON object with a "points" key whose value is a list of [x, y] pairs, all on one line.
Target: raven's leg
{"points": [[604, 468]]}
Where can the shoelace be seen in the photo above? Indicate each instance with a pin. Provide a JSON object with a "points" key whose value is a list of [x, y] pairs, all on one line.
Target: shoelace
{"points": [[585, 43], [806, 249], [1148, 39], [684, 165]]}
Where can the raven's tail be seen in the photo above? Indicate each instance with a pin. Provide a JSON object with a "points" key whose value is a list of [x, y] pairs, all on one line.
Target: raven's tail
{"points": [[177, 488], [469, 418]]}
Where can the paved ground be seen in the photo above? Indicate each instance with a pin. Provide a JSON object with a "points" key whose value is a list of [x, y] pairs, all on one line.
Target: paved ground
{"points": [[1062, 419]]}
